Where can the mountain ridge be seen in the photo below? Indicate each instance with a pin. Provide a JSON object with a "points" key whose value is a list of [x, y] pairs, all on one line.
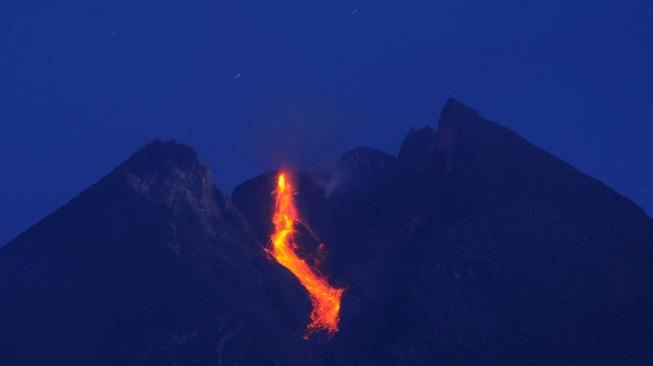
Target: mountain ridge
{"points": [[471, 246]]}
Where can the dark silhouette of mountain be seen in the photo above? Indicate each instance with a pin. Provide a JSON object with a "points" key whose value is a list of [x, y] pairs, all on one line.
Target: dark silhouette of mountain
{"points": [[471, 247], [152, 265]]}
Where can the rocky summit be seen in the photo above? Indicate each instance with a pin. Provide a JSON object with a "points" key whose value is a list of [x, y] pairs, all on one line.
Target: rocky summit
{"points": [[470, 247]]}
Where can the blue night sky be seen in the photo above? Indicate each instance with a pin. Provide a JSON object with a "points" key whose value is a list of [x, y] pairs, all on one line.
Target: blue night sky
{"points": [[254, 84]]}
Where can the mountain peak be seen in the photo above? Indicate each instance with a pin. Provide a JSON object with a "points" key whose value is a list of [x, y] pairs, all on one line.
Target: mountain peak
{"points": [[363, 167], [367, 158], [161, 156], [463, 129], [455, 111], [167, 173], [458, 121]]}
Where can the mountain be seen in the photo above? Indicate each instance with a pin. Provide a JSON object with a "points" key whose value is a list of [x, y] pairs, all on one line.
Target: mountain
{"points": [[151, 265], [470, 247]]}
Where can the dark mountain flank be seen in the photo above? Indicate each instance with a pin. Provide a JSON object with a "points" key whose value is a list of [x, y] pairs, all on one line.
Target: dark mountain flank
{"points": [[471, 247], [152, 265]]}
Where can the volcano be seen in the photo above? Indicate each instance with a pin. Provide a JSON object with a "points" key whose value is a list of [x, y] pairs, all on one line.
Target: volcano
{"points": [[470, 247]]}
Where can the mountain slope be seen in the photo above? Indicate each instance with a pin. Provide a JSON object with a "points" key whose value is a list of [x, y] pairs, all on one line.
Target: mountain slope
{"points": [[472, 246], [151, 265], [503, 254], [475, 247]]}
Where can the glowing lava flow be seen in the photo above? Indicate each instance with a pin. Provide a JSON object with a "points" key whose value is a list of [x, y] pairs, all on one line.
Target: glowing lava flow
{"points": [[325, 299]]}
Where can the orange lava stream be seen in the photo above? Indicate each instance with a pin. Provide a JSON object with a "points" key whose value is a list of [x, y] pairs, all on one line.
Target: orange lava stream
{"points": [[324, 298]]}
